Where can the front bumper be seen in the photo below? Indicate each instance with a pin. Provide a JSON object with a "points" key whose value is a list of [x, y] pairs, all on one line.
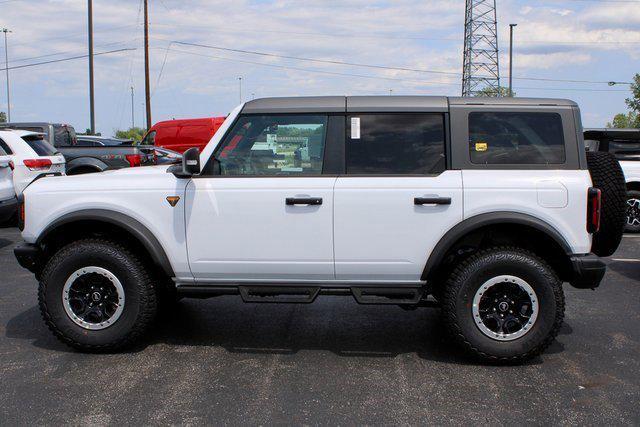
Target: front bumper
{"points": [[588, 271], [8, 208], [29, 257]]}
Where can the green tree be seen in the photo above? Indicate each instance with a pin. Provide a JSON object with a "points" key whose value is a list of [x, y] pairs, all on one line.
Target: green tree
{"points": [[3, 117], [632, 118], [622, 121], [634, 102], [494, 92], [134, 134]]}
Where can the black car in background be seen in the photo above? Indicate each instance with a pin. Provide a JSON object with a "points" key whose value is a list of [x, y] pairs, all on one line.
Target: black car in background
{"points": [[88, 154]]}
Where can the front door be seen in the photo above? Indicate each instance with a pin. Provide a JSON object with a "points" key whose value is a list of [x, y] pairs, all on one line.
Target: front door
{"points": [[264, 212], [397, 198]]}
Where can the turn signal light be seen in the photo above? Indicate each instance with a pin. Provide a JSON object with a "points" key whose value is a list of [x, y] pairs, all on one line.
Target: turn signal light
{"points": [[38, 164], [134, 159], [11, 165], [594, 209]]}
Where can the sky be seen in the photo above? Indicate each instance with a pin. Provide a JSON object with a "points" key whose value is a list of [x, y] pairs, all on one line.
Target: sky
{"points": [[589, 40]]}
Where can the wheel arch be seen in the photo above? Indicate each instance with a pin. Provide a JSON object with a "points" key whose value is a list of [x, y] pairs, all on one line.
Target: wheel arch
{"points": [[88, 163], [494, 226], [633, 186], [100, 221]]}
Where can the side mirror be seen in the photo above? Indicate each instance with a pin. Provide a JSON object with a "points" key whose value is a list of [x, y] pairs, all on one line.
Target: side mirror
{"points": [[190, 164]]}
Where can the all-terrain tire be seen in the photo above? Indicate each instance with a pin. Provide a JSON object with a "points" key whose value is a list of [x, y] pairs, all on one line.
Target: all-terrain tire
{"points": [[467, 279], [607, 175], [140, 300], [633, 215]]}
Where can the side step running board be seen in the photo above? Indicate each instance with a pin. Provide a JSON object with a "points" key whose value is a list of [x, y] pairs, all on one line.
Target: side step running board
{"points": [[376, 295], [286, 294]]}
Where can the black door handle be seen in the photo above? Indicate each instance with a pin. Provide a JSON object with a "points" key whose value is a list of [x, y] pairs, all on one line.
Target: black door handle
{"points": [[304, 201], [432, 201]]}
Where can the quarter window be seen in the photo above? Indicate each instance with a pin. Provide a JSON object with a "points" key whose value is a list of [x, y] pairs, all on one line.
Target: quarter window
{"points": [[271, 145], [395, 144], [516, 138], [4, 148]]}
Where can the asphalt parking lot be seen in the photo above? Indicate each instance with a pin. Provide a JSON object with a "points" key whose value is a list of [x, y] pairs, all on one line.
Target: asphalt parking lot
{"points": [[220, 361]]}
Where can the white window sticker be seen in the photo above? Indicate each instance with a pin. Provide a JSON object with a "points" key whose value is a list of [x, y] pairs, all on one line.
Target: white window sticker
{"points": [[355, 127]]}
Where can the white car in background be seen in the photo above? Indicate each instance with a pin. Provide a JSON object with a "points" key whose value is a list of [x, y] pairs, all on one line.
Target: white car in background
{"points": [[8, 201], [32, 156]]}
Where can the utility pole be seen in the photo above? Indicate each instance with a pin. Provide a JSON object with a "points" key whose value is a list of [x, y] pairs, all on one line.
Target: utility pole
{"points": [[6, 66], [91, 95], [240, 87], [511, 59], [133, 121], [147, 91]]}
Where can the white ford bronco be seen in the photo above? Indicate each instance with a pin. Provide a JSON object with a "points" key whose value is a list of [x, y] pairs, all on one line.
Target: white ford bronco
{"points": [[482, 207]]}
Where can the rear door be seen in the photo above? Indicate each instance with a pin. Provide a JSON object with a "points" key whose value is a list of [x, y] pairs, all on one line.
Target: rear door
{"points": [[397, 198]]}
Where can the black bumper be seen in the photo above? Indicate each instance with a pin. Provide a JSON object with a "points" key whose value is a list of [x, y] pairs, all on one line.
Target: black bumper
{"points": [[8, 208], [588, 271], [29, 257]]}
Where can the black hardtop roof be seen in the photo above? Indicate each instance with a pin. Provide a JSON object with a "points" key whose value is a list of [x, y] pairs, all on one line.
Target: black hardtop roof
{"points": [[336, 104]]}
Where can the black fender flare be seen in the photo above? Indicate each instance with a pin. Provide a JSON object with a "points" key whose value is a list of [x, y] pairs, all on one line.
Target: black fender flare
{"points": [[86, 162], [131, 225], [482, 220]]}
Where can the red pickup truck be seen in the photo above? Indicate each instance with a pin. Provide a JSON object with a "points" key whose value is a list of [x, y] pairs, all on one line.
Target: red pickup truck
{"points": [[180, 135]]}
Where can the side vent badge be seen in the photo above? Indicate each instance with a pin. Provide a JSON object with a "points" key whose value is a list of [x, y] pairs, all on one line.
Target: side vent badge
{"points": [[173, 200]]}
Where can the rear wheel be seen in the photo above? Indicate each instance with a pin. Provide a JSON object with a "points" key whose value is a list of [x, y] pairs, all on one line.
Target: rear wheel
{"points": [[503, 305], [96, 295], [633, 212]]}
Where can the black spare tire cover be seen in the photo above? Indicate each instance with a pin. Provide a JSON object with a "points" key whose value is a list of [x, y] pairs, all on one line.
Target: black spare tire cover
{"points": [[606, 175]]}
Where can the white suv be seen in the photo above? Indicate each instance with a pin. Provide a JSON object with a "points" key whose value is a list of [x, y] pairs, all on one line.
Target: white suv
{"points": [[482, 207], [8, 203], [32, 157]]}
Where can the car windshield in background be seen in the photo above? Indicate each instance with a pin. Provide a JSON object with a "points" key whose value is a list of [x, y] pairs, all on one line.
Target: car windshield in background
{"points": [[39, 145]]}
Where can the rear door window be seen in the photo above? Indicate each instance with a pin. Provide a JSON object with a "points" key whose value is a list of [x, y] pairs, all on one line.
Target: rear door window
{"points": [[516, 138], [39, 145], [395, 144]]}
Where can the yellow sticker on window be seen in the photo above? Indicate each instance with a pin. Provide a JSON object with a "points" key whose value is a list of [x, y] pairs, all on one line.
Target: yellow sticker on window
{"points": [[481, 146]]}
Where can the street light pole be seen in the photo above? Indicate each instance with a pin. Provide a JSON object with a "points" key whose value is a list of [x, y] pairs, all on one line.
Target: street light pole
{"points": [[240, 88], [133, 122], [511, 58], [92, 114], [6, 66], [147, 91]]}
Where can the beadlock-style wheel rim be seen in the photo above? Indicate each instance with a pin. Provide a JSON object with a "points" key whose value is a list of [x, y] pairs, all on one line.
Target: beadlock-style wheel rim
{"points": [[633, 212], [505, 308], [93, 298]]}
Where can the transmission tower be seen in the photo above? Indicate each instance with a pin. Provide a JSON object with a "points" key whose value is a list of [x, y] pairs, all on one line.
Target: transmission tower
{"points": [[480, 64]]}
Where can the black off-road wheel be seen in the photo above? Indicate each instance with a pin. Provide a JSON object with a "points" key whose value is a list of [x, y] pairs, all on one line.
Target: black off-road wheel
{"points": [[633, 212], [607, 175], [97, 296], [503, 305]]}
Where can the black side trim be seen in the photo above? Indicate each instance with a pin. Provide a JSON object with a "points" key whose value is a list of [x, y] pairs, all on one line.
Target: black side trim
{"points": [[134, 227], [479, 221], [588, 271]]}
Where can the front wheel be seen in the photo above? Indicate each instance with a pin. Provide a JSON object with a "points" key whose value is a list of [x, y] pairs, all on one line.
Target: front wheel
{"points": [[503, 305], [96, 295]]}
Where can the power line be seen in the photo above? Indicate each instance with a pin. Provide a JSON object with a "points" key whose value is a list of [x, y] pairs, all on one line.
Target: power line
{"points": [[67, 59], [415, 81], [382, 67]]}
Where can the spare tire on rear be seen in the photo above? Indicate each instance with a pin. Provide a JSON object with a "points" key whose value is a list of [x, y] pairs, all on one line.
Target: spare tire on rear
{"points": [[606, 175]]}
